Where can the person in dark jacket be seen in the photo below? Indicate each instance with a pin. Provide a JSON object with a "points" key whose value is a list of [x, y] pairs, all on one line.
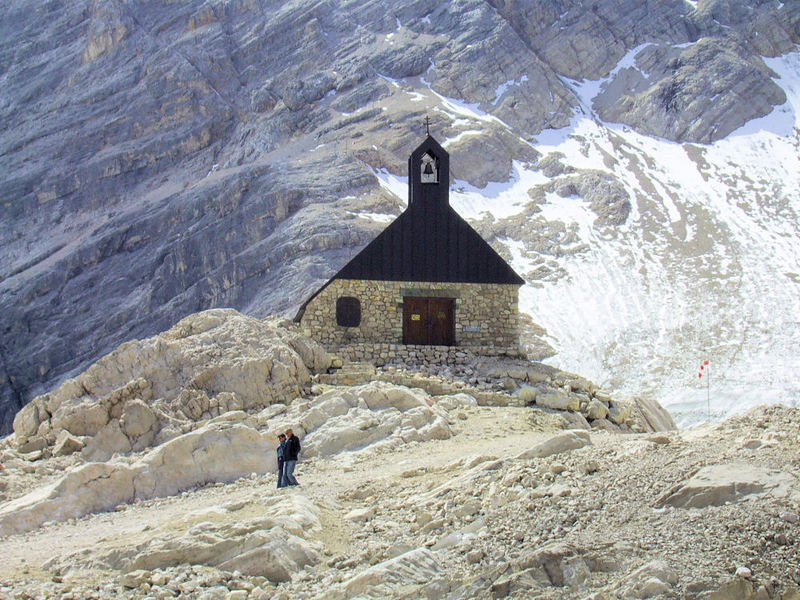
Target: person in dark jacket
{"points": [[290, 453], [281, 460]]}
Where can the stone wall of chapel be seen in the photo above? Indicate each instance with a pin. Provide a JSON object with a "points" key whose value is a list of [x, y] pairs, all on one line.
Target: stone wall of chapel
{"points": [[486, 315]]}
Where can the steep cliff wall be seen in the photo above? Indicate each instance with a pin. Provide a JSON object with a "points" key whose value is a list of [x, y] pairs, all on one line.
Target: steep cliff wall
{"points": [[162, 158]]}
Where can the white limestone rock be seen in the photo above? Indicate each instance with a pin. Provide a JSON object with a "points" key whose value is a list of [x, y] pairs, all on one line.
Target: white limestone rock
{"points": [[651, 580], [360, 515], [716, 485], [575, 420], [527, 395], [92, 487], [596, 410], [26, 422], [109, 440], [32, 445], [354, 418], [209, 362], [215, 452], [735, 588], [135, 578], [557, 399], [137, 419], [66, 443], [273, 545], [411, 570], [619, 412], [454, 401], [80, 417], [559, 563], [652, 416], [562, 442]]}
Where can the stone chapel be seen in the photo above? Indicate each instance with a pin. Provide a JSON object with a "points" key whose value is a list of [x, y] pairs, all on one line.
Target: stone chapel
{"points": [[428, 279]]}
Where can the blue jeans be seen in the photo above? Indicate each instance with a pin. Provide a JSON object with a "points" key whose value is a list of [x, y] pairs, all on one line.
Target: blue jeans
{"points": [[288, 473], [281, 482]]}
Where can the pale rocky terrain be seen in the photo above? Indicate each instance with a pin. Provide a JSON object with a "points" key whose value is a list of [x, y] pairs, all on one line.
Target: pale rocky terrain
{"points": [[465, 482], [161, 158]]}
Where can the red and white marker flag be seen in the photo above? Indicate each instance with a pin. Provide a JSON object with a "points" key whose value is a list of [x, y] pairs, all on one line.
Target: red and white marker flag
{"points": [[702, 369]]}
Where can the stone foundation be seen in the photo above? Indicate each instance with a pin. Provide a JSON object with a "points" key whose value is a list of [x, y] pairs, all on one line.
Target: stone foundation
{"points": [[382, 354], [486, 316]]}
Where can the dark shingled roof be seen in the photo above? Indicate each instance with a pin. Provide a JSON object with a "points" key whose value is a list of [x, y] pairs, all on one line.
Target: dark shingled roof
{"points": [[429, 241]]}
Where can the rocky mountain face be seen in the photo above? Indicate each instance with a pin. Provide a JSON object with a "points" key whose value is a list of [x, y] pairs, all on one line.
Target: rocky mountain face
{"points": [[162, 158]]}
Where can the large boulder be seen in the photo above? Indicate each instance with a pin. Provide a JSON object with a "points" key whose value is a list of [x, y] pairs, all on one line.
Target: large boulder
{"points": [[220, 451], [137, 419], [80, 416], [89, 488], [562, 442], [654, 579], [66, 443], [110, 440], [596, 409], [557, 399], [716, 485], [559, 563], [26, 422], [651, 416], [355, 418], [619, 412]]}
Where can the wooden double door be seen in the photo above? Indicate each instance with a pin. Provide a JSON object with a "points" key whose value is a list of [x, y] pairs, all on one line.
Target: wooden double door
{"points": [[429, 321]]}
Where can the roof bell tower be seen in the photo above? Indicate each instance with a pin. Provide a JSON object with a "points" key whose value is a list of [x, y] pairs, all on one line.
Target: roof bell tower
{"points": [[429, 174]]}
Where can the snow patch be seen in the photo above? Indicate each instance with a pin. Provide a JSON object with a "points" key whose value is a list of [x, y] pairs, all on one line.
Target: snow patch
{"points": [[392, 183], [497, 199], [501, 89], [643, 322], [586, 90], [456, 108], [450, 141], [572, 209], [379, 217]]}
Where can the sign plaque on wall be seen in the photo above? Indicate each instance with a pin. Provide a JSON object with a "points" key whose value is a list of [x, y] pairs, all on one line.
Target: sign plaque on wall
{"points": [[472, 328]]}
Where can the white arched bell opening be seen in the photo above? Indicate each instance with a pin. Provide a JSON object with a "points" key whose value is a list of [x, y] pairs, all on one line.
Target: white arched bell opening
{"points": [[429, 168]]}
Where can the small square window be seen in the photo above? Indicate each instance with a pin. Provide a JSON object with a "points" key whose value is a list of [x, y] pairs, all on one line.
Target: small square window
{"points": [[348, 312]]}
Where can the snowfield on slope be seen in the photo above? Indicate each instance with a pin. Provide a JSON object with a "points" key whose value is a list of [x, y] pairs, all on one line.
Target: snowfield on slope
{"points": [[706, 267]]}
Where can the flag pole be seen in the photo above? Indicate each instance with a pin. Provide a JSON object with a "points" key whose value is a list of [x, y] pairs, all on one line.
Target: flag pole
{"points": [[705, 369]]}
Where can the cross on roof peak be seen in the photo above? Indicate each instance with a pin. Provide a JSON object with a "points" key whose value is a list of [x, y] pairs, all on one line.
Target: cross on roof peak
{"points": [[427, 125]]}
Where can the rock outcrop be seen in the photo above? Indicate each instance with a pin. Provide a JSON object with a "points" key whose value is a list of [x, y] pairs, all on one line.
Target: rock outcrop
{"points": [[149, 391], [418, 569], [274, 545], [220, 451]]}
